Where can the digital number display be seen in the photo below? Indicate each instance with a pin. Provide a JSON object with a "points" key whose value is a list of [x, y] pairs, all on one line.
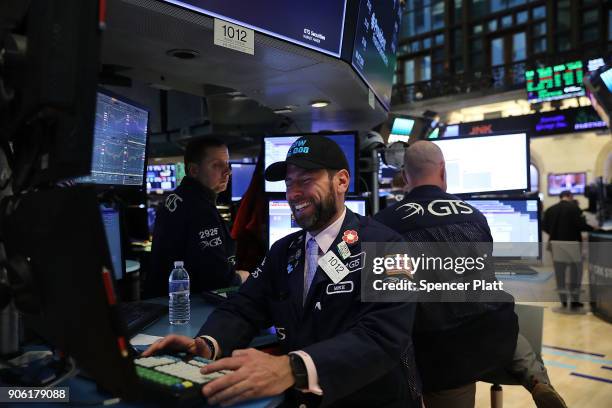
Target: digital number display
{"points": [[556, 82]]}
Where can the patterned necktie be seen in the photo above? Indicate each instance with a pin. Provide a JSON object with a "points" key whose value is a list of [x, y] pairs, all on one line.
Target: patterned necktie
{"points": [[312, 253]]}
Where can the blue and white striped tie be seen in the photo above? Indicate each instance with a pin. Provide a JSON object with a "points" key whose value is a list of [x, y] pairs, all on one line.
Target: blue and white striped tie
{"points": [[312, 253]]}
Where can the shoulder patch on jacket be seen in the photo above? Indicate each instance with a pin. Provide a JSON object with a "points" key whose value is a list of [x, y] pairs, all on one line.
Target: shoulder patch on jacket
{"points": [[172, 202]]}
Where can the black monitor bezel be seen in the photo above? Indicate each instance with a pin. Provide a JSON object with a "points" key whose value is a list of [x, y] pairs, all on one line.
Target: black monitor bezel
{"points": [[527, 161], [539, 218], [142, 186], [355, 176], [567, 172]]}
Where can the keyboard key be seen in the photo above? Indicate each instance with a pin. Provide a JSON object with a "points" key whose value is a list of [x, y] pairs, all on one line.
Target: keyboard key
{"points": [[187, 372], [154, 361]]}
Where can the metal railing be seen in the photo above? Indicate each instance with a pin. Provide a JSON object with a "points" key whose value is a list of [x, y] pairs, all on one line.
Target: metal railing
{"points": [[498, 79]]}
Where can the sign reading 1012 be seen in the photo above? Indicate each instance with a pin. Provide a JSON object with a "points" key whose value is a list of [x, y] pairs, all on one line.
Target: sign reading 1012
{"points": [[234, 36]]}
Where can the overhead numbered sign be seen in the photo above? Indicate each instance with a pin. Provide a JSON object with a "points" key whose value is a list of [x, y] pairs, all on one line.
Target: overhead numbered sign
{"points": [[234, 36]]}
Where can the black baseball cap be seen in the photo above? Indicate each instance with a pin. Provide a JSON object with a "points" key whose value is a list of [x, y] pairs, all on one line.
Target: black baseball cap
{"points": [[310, 152]]}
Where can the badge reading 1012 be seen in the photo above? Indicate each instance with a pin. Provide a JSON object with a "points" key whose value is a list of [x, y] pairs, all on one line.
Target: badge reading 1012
{"points": [[333, 267]]}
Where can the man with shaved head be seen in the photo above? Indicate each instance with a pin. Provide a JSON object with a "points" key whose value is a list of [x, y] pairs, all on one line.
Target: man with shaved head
{"points": [[457, 344]]}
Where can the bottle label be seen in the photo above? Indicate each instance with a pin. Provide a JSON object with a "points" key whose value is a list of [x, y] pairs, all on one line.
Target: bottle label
{"points": [[178, 286]]}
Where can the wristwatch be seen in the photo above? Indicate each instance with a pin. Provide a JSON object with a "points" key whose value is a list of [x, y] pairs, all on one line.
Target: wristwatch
{"points": [[300, 374], [211, 347]]}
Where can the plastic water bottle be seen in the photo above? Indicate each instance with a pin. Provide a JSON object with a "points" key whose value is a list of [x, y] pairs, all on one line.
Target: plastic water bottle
{"points": [[178, 290]]}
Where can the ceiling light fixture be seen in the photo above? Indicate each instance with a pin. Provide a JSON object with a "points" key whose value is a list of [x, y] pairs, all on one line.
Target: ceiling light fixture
{"points": [[286, 109], [319, 104]]}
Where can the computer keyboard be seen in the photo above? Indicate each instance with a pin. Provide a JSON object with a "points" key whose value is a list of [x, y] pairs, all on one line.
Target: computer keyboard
{"points": [[138, 315], [509, 268], [175, 379]]}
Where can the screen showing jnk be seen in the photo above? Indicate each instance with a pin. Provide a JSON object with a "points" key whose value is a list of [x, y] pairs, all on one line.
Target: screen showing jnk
{"points": [[276, 148], [282, 223], [485, 164]]}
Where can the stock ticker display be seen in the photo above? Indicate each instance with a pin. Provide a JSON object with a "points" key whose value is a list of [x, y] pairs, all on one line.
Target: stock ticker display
{"points": [[120, 140], [555, 82]]}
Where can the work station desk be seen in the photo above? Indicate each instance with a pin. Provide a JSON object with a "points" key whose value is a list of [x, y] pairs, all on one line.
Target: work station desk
{"points": [[600, 274], [84, 392], [200, 310]]}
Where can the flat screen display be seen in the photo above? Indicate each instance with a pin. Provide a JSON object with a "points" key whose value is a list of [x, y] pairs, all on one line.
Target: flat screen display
{"points": [[573, 182], [512, 221], [120, 142], [112, 229], [486, 163], [606, 77], [555, 82], [281, 222], [401, 129], [375, 47], [161, 178], [242, 173], [316, 24], [276, 148]]}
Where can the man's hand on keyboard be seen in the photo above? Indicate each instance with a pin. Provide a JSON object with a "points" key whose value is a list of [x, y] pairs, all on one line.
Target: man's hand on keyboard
{"points": [[174, 342], [256, 375]]}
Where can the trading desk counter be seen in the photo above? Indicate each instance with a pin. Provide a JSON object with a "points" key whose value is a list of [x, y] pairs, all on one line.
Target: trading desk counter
{"points": [[84, 392], [600, 274]]}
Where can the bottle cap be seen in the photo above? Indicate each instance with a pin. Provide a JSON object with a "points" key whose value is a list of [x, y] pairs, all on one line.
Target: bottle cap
{"points": [[178, 264]]}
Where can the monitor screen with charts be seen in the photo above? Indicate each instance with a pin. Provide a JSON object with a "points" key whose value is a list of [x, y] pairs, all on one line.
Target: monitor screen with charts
{"points": [[512, 221], [242, 173], [120, 142], [486, 164], [112, 228], [276, 148], [282, 223], [161, 178], [572, 182]]}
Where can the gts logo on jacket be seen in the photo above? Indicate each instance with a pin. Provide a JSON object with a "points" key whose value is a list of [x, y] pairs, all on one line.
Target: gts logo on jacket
{"points": [[439, 208]]}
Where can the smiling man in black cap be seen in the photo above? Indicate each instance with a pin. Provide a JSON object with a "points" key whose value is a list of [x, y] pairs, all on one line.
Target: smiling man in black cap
{"points": [[338, 351]]}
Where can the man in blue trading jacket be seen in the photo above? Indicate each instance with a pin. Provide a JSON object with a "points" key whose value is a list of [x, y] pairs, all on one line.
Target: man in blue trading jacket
{"points": [[189, 227], [459, 344], [338, 351]]}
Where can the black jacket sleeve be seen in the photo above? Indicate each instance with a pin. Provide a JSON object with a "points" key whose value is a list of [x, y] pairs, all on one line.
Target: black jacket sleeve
{"points": [[236, 322], [169, 245], [380, 333]]}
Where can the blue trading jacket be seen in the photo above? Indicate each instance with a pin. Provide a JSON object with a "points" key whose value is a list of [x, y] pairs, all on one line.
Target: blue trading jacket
{"points": [[356, 347], [189, 228], [455, 343]]}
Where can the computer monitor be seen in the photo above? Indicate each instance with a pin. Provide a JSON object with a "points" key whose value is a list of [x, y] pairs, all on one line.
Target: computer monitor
{"points": [[120, 142], [151, 214], [281, 222], [515, 221], [401, 129], [386, 174], [276, 147], [573, 182], [479, 164], [161, 178], [112, 230], [242, 173], [72, 296]]}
